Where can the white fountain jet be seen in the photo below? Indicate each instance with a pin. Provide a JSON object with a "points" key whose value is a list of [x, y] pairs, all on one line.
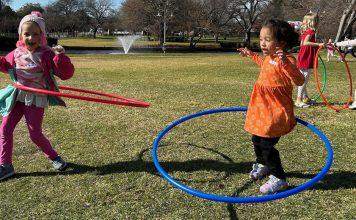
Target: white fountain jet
{"points": [[127, 41]]}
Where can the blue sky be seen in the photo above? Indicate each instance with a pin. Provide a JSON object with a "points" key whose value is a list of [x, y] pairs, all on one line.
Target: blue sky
{"points": [[16, 4]]}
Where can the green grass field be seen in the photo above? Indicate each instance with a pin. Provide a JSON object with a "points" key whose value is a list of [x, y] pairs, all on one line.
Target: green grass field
{"points": [[112, 176]]}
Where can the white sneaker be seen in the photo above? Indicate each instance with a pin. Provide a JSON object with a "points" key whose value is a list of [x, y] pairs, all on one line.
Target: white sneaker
{"points": [[301, 105], [273, 185], [309, 101], [353, 105], [259, 171], [59, 164]]}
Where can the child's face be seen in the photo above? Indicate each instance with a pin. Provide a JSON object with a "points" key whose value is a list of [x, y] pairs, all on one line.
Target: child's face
{"points": [[268, 43], [31, 35]]}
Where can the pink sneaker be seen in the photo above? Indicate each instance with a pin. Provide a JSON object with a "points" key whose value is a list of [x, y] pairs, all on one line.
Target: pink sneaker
{"points": [[258, 171], [273, 185]]}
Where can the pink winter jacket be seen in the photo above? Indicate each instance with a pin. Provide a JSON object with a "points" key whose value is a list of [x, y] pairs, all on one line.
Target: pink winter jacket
{"points": [[58, 64]]}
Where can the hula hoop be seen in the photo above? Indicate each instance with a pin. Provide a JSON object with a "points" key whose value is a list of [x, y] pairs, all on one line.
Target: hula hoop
{"points": [[229, 199], [317, 95], [349, 100], [120, 99]]}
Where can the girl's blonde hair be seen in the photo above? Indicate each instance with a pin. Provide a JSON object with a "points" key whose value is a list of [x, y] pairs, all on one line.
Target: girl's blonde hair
{"points": [[310, 21]]}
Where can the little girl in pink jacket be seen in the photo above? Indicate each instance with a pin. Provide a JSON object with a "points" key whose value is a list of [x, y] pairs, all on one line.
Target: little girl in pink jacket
{"points": [[32, 64]]}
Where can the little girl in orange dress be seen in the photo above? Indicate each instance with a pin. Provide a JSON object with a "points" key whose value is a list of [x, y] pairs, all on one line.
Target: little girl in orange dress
{"points": [[270, 111]]}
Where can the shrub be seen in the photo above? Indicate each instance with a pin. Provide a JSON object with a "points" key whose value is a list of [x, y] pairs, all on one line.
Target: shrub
{"points": [[175, 39], [228, 44]]}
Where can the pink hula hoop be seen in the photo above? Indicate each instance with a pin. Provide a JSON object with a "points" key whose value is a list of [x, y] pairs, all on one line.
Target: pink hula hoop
{"points": [[120, 99]]}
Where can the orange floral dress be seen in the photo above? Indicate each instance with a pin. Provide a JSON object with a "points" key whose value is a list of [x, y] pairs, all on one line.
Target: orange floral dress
{"points": [[270, 111]]}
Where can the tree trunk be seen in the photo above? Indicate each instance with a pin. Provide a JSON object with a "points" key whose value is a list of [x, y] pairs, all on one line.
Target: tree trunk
{"points": [[191, 43], [161, 34], [94, 32], [342, 27], [350, 23], [248, 37]]}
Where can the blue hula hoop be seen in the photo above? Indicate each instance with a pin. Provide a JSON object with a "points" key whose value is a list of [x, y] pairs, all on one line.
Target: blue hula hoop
{"points": [[229, 199]]}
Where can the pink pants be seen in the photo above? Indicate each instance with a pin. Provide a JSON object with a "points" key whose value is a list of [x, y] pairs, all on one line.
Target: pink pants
{"points": [[34, 117]]}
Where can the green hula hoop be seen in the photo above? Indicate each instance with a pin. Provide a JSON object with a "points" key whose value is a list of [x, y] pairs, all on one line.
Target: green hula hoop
{"points": [[317, 95]]}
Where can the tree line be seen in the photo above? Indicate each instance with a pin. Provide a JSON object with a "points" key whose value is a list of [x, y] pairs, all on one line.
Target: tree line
{"points": [[190, 18]]}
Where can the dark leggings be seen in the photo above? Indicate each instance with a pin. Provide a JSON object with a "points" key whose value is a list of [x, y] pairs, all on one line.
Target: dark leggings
{"points": [[349, 51], [268, 155]]}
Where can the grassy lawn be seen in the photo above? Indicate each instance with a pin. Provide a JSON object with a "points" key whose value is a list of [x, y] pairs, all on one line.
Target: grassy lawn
{"points": [[89, 42], [111, 173]]}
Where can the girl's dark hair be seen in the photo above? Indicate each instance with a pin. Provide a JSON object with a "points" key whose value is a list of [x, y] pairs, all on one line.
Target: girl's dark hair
{"points": [[283, 32]]}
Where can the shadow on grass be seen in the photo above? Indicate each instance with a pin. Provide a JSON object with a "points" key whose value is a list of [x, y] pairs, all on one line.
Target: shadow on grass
{"points": [[230, 206], [332, 181], [140, 165], [228, 167]]}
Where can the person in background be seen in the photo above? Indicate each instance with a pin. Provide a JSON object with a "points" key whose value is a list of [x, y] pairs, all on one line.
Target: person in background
{"points": [[348, 50], [330, 50], [306, 56]]}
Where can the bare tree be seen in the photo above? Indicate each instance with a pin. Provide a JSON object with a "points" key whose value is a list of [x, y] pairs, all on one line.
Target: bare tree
{"points": [[128, 15], [98, 11], [65, 14], [275, 9], [150, 16], [55, 23], [198, 16], [191, 20], [247, 12], [347, 20], [217, 15], [111, 23], [140, 15]]}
